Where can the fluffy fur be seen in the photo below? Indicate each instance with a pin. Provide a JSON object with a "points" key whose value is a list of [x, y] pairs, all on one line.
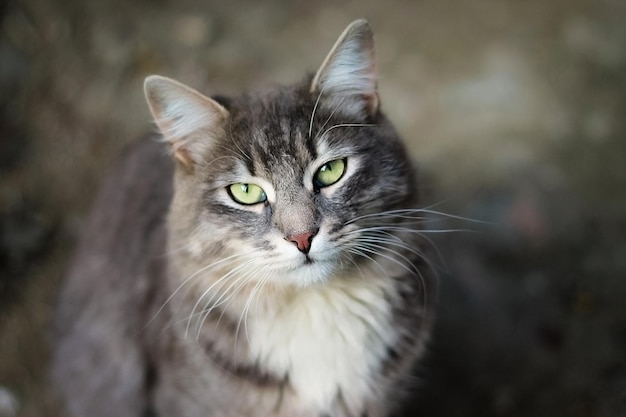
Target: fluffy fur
{"points": [[221, 312]]}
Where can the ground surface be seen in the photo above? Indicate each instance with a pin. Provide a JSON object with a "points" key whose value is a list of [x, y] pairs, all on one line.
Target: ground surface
{"points": [[514, 109]]}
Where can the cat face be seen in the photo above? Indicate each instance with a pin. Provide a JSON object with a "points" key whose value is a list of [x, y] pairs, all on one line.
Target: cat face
{"points": [[281, 180]]}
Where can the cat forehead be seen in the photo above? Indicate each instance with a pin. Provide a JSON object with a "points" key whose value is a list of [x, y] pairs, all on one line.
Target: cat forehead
{"points": [[271, 108], [281, 134], [272, 127], [286, 149], [282, 110]]}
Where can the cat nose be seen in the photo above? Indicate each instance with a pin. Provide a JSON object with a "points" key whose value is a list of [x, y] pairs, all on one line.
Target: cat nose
{"points": [[302, 240]]}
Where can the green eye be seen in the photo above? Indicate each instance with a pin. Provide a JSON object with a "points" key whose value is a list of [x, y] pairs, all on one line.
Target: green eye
{"points": [[329, 173], [246, 194]]}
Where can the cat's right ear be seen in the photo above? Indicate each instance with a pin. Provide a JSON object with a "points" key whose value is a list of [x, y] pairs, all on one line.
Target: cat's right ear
{"points": [[187, 119]]}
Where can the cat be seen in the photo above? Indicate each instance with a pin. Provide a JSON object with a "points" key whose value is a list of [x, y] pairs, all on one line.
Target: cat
{"points": [[271, 265]]}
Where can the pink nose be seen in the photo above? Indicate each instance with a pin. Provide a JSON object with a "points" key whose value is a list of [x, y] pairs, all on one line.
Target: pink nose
{"points": [[302, 241]]}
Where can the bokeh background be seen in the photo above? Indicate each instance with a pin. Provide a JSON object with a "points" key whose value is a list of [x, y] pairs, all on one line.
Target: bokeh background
{"points": [[515, 111]]}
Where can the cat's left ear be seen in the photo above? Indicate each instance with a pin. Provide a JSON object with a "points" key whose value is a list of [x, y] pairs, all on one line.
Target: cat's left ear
{"points": [[347, 80], [187, 119]]}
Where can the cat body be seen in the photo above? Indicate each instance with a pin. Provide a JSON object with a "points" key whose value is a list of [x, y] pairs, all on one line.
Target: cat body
{"points": [[274, 269]]}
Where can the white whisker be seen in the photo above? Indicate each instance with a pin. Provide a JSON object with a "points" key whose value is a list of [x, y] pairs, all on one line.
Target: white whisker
{"points": [[348, 125], [244, 314], [339, 103], [374, 248], [226, 295], [411, 268], [188, 279], [317, 101], [357, 251], [409, 214], [409, 230], [389, 239]]}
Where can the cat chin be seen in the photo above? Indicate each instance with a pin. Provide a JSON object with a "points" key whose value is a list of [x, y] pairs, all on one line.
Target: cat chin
{"points": [[308, 273]]}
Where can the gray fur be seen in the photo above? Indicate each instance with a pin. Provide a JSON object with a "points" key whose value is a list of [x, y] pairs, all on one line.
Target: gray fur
{"points": [[141, 332]]}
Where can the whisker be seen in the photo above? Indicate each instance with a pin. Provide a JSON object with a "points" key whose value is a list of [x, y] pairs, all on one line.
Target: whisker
{"points": [[454, 216], [437, 251], [235, 156], [317, 101], [242, 281], [203, 313], [367, 246], [409, 214], [257, 287], [339, 103], [409, 230], [413, 270], [239, 282], [394, 241], [219, 282], [357, 251], [389, 239], [348, 125], [230, 134], [188, 279]]}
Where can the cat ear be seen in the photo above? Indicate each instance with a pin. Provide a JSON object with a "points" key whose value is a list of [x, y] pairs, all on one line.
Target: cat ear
{"points": [[187, 119], [347, 78]]}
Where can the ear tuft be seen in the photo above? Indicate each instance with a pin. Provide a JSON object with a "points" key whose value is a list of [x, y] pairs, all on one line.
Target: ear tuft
{"points": [[347, 78], [188, 120]]}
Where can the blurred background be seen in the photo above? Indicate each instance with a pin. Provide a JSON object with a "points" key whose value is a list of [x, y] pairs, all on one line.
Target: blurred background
{"points": [[515, 111]]}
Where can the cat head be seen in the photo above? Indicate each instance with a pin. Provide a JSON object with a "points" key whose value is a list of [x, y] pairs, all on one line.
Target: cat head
{"points": [[276, 181]]}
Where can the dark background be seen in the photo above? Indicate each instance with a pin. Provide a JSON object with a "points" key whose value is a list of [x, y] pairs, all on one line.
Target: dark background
{"points": [[514, 109]]}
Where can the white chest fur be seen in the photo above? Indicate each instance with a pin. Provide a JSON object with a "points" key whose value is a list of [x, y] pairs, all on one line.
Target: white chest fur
{"points": [[328, 339]]}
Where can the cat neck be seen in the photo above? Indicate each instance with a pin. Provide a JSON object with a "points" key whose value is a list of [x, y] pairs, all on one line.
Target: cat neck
{"points": [[329, 339], [327, 342]]}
